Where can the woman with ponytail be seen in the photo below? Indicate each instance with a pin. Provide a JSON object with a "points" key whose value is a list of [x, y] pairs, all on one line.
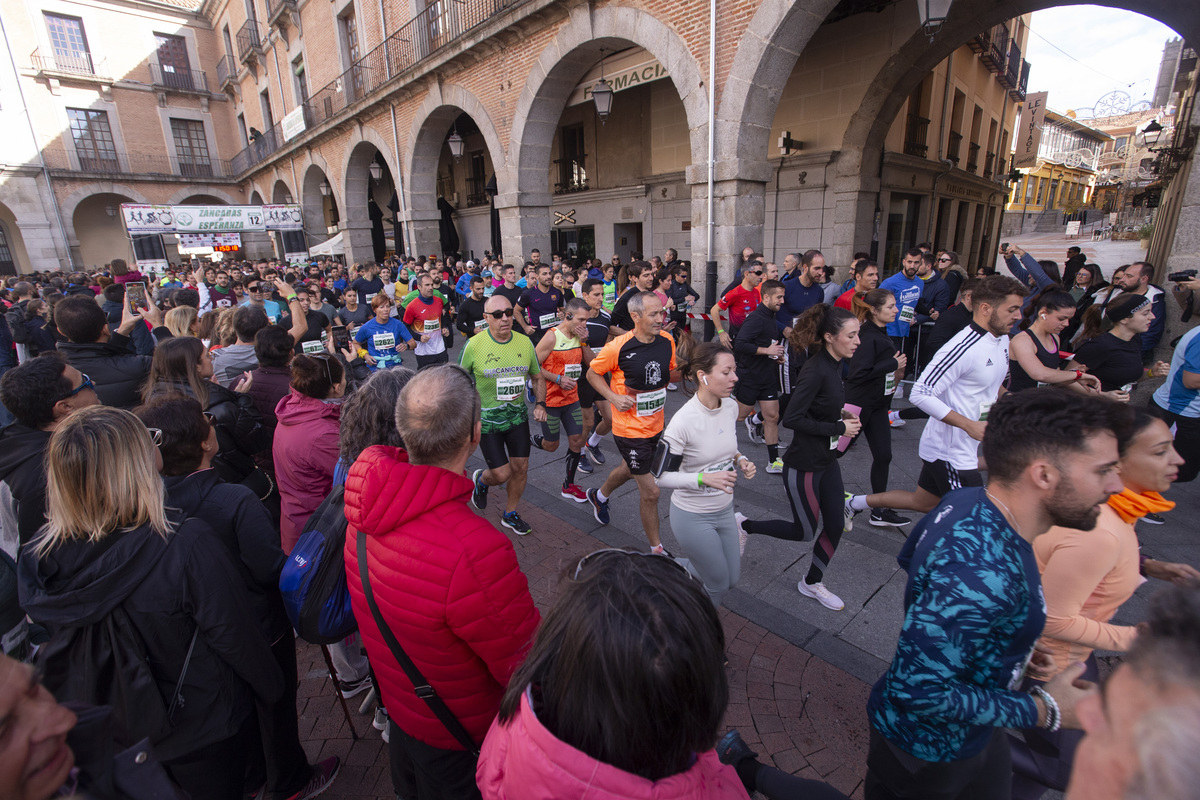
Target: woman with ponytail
{"points": [[699, 464], [811, 475], [1035, 350]]}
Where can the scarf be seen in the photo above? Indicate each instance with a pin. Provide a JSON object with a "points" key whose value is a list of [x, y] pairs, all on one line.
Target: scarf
{"points": [[1131, 506]]}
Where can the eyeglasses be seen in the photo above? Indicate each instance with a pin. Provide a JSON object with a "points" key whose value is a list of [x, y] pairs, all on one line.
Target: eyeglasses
{"points": [[601, 553], [87, 384], [155, 436], [324, 359], [756, 272], [945, 259], [508, 312], [255, 289]]}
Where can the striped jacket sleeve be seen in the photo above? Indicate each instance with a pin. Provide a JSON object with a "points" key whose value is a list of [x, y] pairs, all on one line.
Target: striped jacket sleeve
{"points": [[951, 361]]}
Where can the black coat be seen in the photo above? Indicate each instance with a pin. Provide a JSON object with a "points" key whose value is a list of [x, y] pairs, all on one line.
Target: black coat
{"points": [[118, 375], [243, 524], [815, 414], [23, 471], [869, 367], [170, 588]]}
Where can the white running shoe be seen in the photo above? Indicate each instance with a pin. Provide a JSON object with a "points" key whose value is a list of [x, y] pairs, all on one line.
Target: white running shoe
{"points": [[895, 421], [743, 535], [818, 592], [848, 513]]}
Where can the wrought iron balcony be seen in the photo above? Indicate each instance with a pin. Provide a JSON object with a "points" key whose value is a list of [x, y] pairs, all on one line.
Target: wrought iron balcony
{"points": [[988, 165], [260, 147], [1018, 94], [993, 57], [178, 80], [476, 192], [134, 164], [249, 41], [277, 11], [227, 71], [972, 158], [68, 64], [572, 177], [1011, 77], [916, 136], [953, 147]]}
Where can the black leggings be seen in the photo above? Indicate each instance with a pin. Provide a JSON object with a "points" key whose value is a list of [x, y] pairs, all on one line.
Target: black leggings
{"points": [[878, 430], [813, 496]]}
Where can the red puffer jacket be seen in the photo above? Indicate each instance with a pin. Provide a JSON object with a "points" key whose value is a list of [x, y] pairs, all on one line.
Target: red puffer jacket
{"points": [[449, 586]]}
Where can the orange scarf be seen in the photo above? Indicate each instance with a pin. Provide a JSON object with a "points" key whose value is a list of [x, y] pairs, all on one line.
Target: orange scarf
{"points": [[1132, 506]]}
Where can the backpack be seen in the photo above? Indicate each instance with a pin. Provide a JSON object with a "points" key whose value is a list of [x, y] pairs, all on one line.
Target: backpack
{"points": [[106, 664], [15, 317], [313, 580]]}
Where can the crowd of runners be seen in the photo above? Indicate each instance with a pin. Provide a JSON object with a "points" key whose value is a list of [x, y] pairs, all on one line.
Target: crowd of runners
{"points": [[173, 442]]}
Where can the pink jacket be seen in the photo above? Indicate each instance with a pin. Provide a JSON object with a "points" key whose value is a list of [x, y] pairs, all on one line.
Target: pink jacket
{"points": [[524, 761], [305, 452]]}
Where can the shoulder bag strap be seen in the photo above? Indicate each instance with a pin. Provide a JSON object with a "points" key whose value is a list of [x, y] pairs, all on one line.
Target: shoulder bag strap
{"points": [[421, 686], [177, 701]]}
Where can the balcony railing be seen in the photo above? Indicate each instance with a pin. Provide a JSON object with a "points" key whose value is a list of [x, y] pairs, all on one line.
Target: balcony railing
{"points": [[953, 147], [227, 71], [135, 164], [572, 177], [437, 26], [180, 80], [476, 194], [981, 43], [1019, 93], [1011, 77], [989, 164], [249, 41], [916, 136], [972, 158], [993, 57], [276, 9], [74, 63]]}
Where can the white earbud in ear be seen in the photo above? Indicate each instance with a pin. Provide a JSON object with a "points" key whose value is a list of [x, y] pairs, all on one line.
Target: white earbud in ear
{"points": [[704, 379]]}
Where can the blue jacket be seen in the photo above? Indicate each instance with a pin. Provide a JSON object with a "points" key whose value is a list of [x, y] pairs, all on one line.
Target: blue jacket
{"points": [[973, 610], [908, 292], [1024, 269], [797, 298], [463, 287], [935, 296]]}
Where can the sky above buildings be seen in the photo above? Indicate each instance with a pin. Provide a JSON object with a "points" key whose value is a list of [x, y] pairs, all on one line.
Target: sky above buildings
{"points": [[1079, 54]]}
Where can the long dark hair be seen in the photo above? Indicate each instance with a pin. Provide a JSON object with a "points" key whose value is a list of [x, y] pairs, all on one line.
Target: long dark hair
{"points": [[628, 666], [810, 329], [1052, 298], [174, 368]]}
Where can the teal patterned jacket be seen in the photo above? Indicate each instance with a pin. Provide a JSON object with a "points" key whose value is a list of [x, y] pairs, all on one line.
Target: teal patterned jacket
{"points": [[973, 609]]}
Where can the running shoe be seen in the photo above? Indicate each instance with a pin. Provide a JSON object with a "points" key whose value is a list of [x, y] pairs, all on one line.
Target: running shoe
{"points": [[886, 518], [818, 592], [352, 688], [530, 397], [1154, 519], [671, 387], [594, 453], [585, 466], [512, 520], [732, 749], [895, 421], [599, 510], [574, 492], [479, 496], [752, 431], [743, 534], [775, 467], [536, 440], [848, 513], [323, 774], [760, 432], [381, 719]]}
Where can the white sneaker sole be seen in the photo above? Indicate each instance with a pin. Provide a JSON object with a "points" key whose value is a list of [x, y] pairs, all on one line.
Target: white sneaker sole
{"points": [[802, 587]]}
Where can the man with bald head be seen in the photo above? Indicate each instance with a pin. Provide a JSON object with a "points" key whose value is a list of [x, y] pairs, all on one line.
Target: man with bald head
{"points": [[501, 359]]}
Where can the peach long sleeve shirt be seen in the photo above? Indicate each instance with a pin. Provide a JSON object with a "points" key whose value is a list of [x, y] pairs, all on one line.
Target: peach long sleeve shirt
{"points": [[1086, 576]]}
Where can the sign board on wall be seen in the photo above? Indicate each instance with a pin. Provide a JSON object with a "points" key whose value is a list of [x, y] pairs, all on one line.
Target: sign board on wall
{"points": [[141, 219], [190, 240], [293, 124], [625, 70], [1029, 135]]}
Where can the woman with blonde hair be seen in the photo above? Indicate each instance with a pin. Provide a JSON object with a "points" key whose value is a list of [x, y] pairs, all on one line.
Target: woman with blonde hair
{"points": [[182, 321], [111, 558]]}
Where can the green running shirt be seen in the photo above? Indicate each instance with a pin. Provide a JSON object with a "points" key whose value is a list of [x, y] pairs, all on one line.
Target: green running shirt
{"points": [[500, 370]]}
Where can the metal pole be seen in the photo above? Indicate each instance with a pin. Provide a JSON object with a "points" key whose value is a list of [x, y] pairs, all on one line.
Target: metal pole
{"points": [[710, 264], [410, 243]]}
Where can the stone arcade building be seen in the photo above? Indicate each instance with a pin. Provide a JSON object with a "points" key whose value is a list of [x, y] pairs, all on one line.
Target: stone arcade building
{"points": [[350, 107]]}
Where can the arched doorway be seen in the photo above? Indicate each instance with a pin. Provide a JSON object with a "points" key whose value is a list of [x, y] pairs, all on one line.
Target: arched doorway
{"points": [[100, 231], [319, 204], [372, 208], [658, 87], [14, 260], [448, 196]]}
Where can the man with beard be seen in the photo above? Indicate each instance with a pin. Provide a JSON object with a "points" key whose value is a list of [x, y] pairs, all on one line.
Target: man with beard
{"points": [[956, 390], [974, 606]]}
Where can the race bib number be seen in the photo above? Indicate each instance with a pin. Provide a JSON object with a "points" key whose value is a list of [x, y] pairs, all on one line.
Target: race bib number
{"points": [[833, 442], [384, 341], [907, 314], [547, 321], [509, 389], [889, 384], [433, 326], [984, 410], [573, 371], [273, 320], [311, 348], [367, 297], [480, 324], [720, 466], [650, 403]]}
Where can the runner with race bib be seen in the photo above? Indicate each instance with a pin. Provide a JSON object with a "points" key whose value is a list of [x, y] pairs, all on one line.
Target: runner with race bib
{"points": [[539, 306], [384, 337], [500, 359], [564, 357], [424, 315], [641, 363]]}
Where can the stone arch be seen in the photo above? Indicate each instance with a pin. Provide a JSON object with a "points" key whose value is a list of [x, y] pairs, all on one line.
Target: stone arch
{"points": [[16, 242], [313, 203], [97, 237], [356, 185], [280, 192], [525, 211], [431, 125], [255, 198], [195, 189], [72, 201]]}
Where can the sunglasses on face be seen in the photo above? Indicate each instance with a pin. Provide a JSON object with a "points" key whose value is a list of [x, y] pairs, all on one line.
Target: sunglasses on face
{"points": [[508, 312], [756, 272], [943, 259], [155, 436], [87, 384]]}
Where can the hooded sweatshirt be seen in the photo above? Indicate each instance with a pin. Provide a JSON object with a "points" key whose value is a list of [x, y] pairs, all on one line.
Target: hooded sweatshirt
{"points": [[524, 760], [23, 472], [170, 587], [305, 452], [448, 585]]}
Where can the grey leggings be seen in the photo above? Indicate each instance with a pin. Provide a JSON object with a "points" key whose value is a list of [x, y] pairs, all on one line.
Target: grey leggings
{"points": [[710, 541]]}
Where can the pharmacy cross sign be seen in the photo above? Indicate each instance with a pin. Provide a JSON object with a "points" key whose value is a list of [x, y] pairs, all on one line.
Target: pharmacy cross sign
{"points": [[560, 217]]}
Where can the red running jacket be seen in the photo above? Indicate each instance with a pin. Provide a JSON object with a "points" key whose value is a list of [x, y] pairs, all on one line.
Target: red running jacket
{"points": [[448, 585]]}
